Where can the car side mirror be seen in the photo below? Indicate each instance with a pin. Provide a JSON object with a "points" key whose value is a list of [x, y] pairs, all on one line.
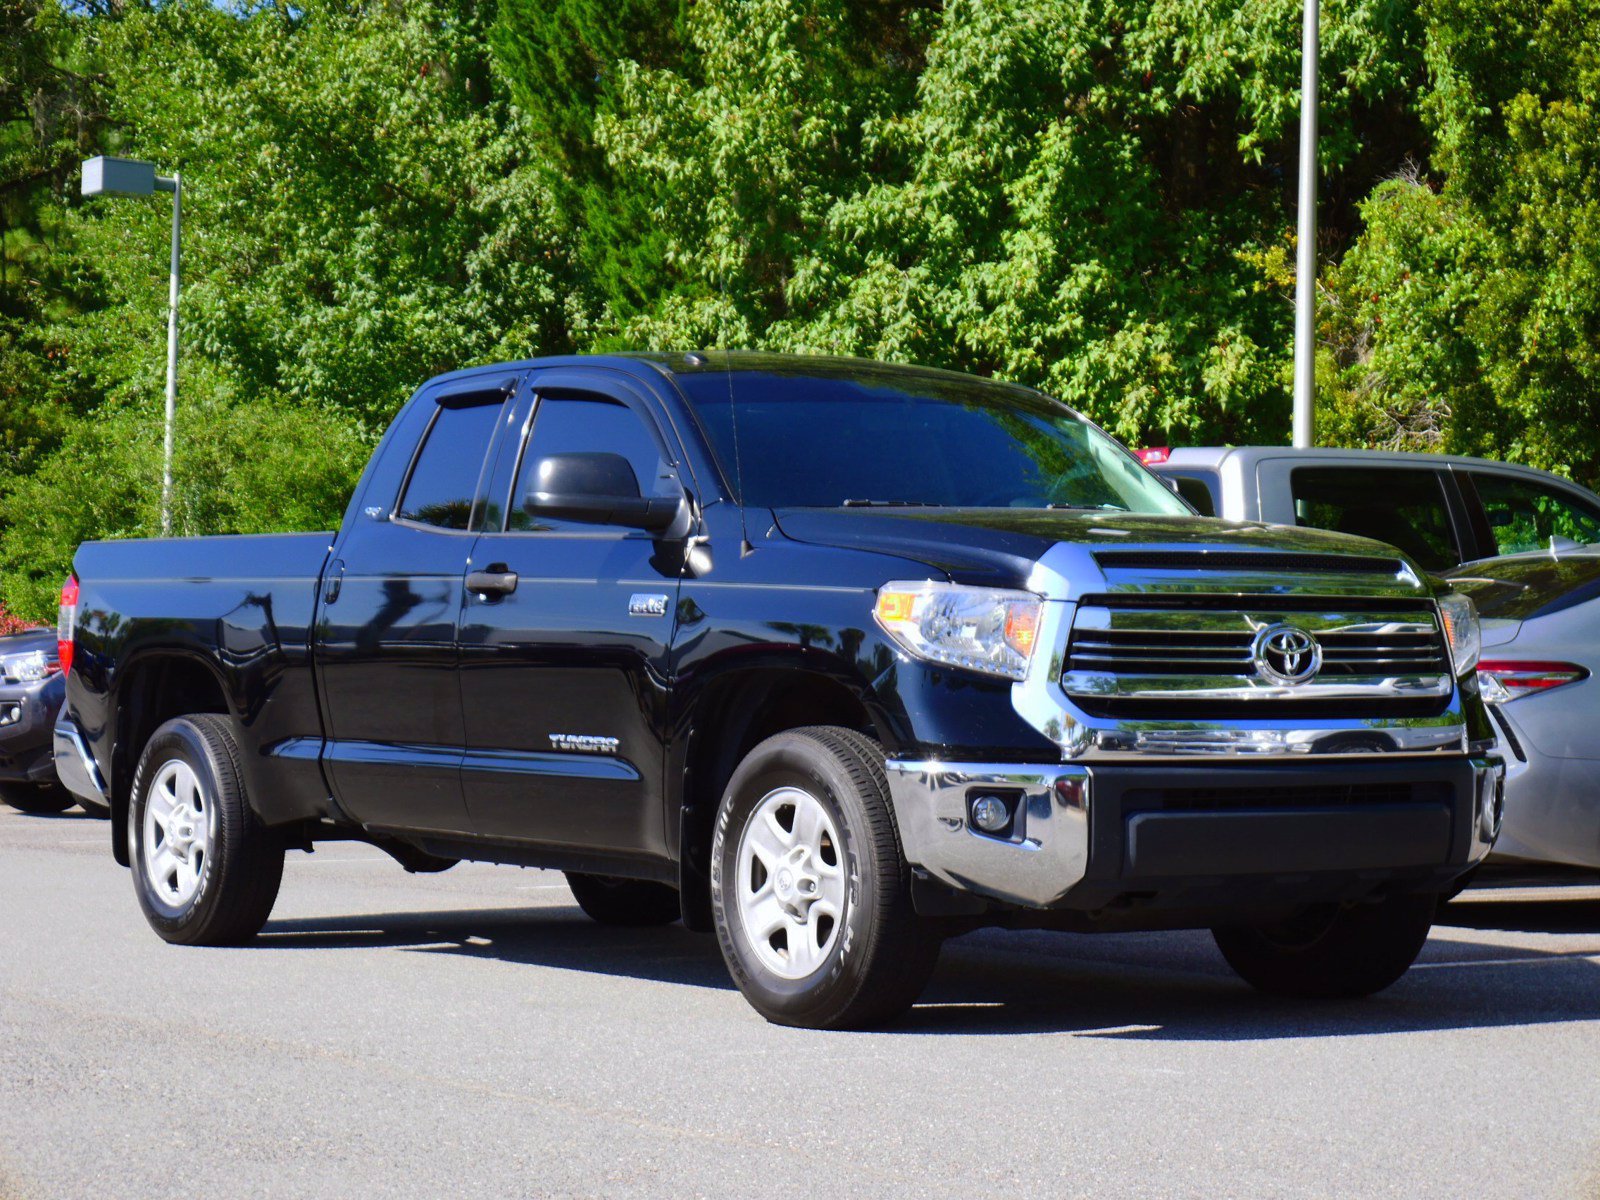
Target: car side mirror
{"points": [[600, 488]]}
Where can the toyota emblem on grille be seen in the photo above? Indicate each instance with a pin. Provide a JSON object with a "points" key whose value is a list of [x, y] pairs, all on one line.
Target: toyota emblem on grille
{"points": [[1287, 654]]}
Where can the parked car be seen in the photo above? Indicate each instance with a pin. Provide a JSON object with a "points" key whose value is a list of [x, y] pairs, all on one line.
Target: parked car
{"points": [[1442, 510], [831, 657], [31, 689], [1541, 639]]}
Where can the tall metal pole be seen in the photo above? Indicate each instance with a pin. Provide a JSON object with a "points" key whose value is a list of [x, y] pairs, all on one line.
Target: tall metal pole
{"points": [[172, 357], [1305, 284]]}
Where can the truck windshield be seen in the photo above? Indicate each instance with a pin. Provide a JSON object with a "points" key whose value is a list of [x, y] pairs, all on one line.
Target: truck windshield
{"points": [[895, 437]]}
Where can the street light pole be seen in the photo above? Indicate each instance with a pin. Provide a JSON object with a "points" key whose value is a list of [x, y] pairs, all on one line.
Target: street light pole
{"points": [[176, 183], [1305, 283], [104, 176]]}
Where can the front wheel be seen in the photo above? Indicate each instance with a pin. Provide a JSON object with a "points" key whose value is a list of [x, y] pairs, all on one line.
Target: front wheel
{"points": [[1331, 951], [205, 869], [31, 798], [810, 893]]}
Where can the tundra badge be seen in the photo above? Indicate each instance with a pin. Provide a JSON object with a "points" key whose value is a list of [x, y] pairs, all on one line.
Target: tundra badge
{"points": [[588, 743]]}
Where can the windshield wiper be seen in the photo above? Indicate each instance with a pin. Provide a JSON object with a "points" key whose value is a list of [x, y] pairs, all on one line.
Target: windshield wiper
{"points": [[888, 504], [1060, 507]]}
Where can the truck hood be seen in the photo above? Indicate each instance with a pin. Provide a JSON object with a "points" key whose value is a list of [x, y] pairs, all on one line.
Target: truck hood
{"points": [[999, 546]]}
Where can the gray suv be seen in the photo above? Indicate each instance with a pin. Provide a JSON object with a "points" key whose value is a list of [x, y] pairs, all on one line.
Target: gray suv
{"points": [[1442, 510]]}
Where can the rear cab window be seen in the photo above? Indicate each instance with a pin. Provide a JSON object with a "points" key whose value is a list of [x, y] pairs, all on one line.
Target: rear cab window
{"points": [[1405, 507], [1198, 488]]}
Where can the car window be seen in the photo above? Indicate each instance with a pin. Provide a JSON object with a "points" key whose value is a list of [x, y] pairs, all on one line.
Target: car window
{"points": [[1403, 506], [1524, 515], [1197, 493], [1530, 585], [444, 478], [577, 425]]}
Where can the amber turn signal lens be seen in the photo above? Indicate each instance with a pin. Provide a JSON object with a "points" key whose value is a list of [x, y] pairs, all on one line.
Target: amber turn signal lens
{"points": [[1022, 626]]}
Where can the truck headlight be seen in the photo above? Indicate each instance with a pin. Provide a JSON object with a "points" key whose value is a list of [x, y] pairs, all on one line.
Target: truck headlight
{"points": [[982, 629], [26, 668], [1461, 630]]}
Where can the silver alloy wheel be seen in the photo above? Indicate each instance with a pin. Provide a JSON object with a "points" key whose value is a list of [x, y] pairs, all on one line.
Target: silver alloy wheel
{"points": [[790, 887], [179, 829]]}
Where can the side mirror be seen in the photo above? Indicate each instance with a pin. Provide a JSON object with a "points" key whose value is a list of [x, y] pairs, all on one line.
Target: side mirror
{"points": [[600, 488]]}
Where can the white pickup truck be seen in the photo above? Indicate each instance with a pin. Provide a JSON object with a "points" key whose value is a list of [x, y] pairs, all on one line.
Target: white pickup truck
{"points": [[1442, 510]]}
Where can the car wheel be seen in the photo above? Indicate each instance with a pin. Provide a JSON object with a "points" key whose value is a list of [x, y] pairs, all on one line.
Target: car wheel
{"points": [[31, 798], [614, 901], [205, 869], [1331, 951], [93, 808], [811, 895]]}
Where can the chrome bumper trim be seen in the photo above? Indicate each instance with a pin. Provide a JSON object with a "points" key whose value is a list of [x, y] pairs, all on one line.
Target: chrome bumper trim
{"points": [[75, 766], [1038, 866]]}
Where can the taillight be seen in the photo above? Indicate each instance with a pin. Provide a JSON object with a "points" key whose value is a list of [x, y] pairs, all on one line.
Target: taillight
{"points": [[1153, 455], [1502, 680], [67, 622]]}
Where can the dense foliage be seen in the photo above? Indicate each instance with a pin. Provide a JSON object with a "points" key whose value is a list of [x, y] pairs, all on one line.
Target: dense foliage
{"points": [[1093, 198]]}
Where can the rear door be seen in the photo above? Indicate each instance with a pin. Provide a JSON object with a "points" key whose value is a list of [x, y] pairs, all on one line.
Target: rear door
{"points": [[564, 669], [386, 639]]}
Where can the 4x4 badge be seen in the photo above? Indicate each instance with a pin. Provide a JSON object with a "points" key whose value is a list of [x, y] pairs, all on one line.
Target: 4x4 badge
{"points": [[1286, 654], [645, 604]]}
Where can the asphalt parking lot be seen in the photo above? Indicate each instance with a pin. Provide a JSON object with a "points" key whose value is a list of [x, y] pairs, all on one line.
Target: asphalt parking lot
{"points": [[472, 1034]]}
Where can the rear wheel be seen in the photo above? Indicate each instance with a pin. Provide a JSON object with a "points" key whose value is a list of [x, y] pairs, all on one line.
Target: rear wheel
{"points": [[1331, 951], [32, 798], [205, 869], [614, 901], [810, 892]]}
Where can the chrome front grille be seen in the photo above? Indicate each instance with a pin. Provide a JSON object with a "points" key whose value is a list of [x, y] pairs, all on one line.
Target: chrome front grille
{"points": [[1152, 648]]}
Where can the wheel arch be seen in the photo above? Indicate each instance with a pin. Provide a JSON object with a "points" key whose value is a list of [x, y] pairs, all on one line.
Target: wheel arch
{"points": [[150, 690], [730, 716]]}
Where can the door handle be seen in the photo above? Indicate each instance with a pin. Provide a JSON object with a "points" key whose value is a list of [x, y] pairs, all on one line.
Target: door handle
{"points": [[496, 581]]}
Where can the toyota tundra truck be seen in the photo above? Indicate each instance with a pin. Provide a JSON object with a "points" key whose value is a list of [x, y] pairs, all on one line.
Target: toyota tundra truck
{"points": [[833, 658]]}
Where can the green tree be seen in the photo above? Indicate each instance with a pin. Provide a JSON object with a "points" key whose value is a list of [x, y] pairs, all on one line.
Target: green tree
{"points": [[1467, 317]]}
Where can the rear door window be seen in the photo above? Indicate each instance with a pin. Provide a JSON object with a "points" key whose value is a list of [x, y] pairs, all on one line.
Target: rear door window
{"points": [[1526, 515], [1405, 507], [444, 478]]}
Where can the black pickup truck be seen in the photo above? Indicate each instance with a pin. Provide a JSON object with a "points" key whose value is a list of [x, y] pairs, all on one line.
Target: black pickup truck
{"points": [[833, 658]]}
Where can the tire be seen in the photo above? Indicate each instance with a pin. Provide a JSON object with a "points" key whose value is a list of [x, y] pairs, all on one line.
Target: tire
{"points": [[222, 895], [1331, 952], [93, 808], [32, 798], [626, 902], [854, 952]]}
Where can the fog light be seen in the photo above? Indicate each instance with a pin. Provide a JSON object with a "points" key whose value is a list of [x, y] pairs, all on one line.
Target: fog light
{"points": [[991, 814]]}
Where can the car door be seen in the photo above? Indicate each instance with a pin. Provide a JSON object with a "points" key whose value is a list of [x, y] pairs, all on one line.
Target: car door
{"points": [[386, 637], [564, 663], [1409, 506]]}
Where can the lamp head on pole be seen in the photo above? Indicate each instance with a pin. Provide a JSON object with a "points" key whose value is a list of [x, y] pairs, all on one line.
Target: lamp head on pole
{"points": [[106, 176]]}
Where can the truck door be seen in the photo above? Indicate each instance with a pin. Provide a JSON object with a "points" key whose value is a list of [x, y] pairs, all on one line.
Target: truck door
{"points": [[565, 634], [386, 646]]}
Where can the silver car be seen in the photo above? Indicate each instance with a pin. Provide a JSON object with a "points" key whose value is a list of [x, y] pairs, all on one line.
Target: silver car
{"points": [[1441, 509], [1541, 650]]}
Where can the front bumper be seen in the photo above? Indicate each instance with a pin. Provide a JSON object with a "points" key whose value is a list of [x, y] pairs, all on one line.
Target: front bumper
{"points": [[1090, 836], [27, 713]]}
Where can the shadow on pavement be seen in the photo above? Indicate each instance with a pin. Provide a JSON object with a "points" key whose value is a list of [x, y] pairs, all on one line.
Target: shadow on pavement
{"points": [[1156, 986]]}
